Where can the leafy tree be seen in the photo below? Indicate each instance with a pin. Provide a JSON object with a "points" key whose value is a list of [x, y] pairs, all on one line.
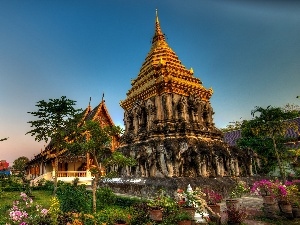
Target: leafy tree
{"points": [[96, 141], [19, 166], [235, 125], [57, 120], [267, 130]]}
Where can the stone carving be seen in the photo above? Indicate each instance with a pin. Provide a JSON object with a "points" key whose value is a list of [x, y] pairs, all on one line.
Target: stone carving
{"points": [[178, 147], [187, 158]]}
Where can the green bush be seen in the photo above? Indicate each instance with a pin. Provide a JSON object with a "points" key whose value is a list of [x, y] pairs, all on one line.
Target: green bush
{"points": [[11, 183], [124, 202], [105, 197], [74, 198]]}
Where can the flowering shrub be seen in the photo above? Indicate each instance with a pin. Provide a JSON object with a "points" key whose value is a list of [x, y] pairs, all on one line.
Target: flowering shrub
{"points": [[275, 189], [191, 198], [292, 193], [239, 190], [54, 210], [25, 212], [161, 201], [212, 197]]}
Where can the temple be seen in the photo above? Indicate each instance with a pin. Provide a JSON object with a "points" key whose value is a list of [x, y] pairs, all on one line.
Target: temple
{"points": [[169, 125], [71, 165]]}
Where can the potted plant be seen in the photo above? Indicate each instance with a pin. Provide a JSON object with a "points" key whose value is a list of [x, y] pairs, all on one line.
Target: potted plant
{"points": [[120, 216], [237, 192], [183, 218], [236, 215], [264, 188], [213, 199], [161, 202], [294, 198], [191, 200]]}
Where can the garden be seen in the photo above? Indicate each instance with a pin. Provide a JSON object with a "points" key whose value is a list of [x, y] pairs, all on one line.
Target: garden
{"points": [[73, 205]]}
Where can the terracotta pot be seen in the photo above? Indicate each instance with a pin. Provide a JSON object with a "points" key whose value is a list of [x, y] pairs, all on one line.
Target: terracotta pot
{"points": [[296, 212], [286, 209], [156, 214], [267, 199], [232, 203], [190, 211], [185, 222], [216, 208], [271, 211]]}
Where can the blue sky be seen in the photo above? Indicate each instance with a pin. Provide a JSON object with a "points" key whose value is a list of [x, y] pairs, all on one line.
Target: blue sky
{"points": [[247, 51]]}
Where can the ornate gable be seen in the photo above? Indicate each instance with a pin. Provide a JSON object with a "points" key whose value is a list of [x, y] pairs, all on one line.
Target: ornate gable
{"points": [[100, 113]]}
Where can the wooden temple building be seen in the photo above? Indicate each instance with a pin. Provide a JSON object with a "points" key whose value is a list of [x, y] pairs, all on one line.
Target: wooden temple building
{"points": [[169, 126], [70, 165]]}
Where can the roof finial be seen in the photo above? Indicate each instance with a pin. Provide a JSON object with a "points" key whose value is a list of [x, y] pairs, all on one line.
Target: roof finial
{"points": [[102, 97], [158, 35], [89, 106]]}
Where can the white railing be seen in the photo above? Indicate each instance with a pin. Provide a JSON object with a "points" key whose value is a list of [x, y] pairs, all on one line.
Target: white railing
{"points": [[71, 174]]}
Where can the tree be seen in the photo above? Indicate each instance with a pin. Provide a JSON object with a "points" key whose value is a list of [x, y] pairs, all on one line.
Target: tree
{"points": [[95, 140], [19, 166], [57, 121], [234, 125], [270, 125]]}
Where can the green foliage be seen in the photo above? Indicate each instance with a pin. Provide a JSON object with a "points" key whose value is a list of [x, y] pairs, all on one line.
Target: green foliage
{"points": [[110, 215], [74, 198], [182, 215], [140, 213], [57, 121], [105, 197], [265, 134], [240, 189], [162, 201], [44, 184], [236, 125], [19, 165], [123, 201], [54, 210], [11, 183]]}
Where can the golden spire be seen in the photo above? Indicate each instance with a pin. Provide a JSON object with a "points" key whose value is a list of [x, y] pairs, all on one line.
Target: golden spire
{"points": [[89, 106], [158, 35], [163, 72]]}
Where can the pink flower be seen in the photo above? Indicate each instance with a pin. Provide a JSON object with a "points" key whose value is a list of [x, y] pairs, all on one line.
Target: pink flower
{"points": [[44, 212]]}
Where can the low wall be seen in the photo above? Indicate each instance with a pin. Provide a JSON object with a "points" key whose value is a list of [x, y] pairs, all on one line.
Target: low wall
{"points": [[147, 187]]}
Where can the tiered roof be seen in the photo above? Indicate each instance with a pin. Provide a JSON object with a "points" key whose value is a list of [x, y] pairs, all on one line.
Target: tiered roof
{"points": [[162, 72]]}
